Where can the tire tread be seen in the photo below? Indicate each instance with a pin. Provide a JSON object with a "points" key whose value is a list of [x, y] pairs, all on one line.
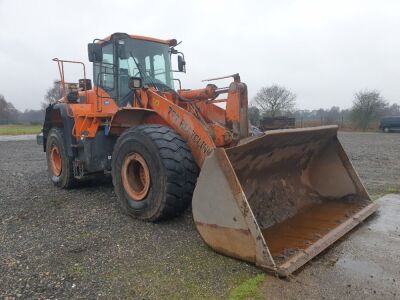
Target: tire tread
{"points": [[181, 169]]}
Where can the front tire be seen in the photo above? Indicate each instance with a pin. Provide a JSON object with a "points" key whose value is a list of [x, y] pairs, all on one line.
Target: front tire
{"points": [[386, 130], [154, 173], [59, 164]]}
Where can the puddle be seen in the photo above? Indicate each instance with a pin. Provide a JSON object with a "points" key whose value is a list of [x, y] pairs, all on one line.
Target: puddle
{"points": [[22, 137], [387, 221], [359, 267]]}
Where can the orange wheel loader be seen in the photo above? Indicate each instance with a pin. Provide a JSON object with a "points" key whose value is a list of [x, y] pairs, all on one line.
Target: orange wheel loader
{"points": [[275, 200]]}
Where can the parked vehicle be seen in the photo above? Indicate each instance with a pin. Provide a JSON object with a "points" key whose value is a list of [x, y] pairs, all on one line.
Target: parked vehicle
{"points": [[388, 124], [272, 123]]}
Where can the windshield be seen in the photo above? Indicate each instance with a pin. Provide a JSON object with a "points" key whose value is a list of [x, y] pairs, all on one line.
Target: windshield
{"points": [[133, 58], [148, 60]]}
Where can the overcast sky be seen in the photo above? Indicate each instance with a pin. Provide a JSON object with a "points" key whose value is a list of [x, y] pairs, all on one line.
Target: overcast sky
{"points": [[323, 51]]}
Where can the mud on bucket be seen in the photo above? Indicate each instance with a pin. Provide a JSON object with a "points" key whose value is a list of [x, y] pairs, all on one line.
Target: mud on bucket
{"points": [[280, 199]]}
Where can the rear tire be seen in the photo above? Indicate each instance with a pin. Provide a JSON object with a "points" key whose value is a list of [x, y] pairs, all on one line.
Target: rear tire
{"points": [[386, 130], [59, 164], [154, 173]]}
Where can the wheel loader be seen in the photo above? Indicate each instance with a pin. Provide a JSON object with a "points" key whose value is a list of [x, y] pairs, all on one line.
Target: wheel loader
{"points": [[275, 199]]}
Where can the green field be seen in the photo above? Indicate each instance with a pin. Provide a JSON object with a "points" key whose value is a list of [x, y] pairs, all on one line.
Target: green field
{"points": [[17, 129]]}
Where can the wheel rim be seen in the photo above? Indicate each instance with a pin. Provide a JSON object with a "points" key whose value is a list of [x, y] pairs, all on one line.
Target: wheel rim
{"points": [[135, 176], [55, 160]]}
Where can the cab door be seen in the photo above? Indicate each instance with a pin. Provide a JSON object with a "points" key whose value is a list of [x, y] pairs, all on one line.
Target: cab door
{"points": [[105, 72]]}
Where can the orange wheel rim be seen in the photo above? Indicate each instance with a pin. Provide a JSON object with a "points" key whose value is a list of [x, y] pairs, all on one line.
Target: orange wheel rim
{"points": [[135, 176], [55, 160]]}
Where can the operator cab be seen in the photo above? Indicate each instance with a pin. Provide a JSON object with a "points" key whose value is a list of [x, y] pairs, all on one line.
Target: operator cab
{"points": [[123, 62]]}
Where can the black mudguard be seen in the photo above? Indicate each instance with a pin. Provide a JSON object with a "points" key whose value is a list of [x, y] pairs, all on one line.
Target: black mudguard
{"points": [[57, 116]]}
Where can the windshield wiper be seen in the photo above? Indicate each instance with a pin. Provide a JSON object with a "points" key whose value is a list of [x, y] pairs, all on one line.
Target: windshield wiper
{"points": [[142, 73]]}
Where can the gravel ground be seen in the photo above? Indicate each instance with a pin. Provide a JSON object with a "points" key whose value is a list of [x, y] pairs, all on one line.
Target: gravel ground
{"points": [[57, 243], [62, 244], [21, 137], [363, 265], [376, 158]]}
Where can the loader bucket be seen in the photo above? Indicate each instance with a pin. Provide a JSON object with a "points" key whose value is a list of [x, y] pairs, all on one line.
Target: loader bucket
{"points": [[280, 199]]}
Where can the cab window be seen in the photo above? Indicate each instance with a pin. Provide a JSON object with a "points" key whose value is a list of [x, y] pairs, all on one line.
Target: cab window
{"points": [[104, 72]]}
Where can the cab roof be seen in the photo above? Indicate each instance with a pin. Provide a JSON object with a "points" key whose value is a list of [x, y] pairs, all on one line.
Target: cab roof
{"points": [[118, 35]]}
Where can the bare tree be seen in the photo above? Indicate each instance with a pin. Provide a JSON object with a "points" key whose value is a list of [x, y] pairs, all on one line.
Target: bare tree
{"points": [[275, 100], [8, 113], [368, 106], [393, 110], [254, 115], [53, 94], [332, 115]]}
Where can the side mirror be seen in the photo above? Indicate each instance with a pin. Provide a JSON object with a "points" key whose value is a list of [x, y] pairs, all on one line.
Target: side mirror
{"points": [[85, 85], [135, 83], [181, 64], [95, 52]]}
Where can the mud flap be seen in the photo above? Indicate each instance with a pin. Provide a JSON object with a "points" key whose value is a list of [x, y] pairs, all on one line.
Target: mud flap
{"points": [[280, 199]]}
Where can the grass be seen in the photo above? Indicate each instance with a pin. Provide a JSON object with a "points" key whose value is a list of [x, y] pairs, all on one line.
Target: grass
{"points": [[56, 202], [393, 190], [77, 269], [18, 129], [187, 275], [248, 289], [380, 193]]}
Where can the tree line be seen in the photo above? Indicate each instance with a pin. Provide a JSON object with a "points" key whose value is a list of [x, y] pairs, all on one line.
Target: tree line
{"points": [[368, 106], [10, 115]]}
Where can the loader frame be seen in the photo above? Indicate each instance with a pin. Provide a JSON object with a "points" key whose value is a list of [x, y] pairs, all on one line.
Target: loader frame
{"points": [[198, 119], [250, 188]]}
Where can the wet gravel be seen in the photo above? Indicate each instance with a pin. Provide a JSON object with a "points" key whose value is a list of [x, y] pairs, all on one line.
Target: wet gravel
{"points": [[363, 265], [77, 244], [376, 158]]}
